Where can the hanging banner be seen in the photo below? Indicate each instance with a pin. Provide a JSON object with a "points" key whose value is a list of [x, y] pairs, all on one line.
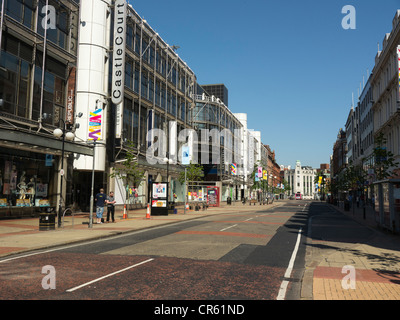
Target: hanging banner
{"points": [[265, 175], [260, 172], [233, 169], [95, 120], [185, 155]]}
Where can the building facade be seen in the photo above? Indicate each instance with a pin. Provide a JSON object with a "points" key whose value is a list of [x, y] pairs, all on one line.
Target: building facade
{"points": [[156, 93], [37, 91], [218, 152], [301, 179]]}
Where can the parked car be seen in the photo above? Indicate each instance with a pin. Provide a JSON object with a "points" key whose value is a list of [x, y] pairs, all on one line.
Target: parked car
{"points": [[298, 196]]}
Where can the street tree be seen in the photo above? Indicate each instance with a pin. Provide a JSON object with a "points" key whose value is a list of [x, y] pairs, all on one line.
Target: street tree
{"points": [[127, 171]]}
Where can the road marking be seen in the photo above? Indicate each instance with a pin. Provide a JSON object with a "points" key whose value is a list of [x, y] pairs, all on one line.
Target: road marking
{"points": [[109, 275], [248, 219], [228, 227], [229, 234], [284, 284]]}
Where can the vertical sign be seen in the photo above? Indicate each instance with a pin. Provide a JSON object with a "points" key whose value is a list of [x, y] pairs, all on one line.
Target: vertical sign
{"points": [[118, 75], [398, 66], [71, 96], [95, 124], [260, 173]]}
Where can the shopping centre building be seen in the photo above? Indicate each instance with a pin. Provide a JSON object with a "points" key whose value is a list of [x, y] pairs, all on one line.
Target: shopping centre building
{"points": [[108, 79], [34, 101]]}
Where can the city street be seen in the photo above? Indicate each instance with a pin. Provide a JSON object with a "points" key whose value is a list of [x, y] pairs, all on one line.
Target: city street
{"points": [[227, 256], [292, 250]]}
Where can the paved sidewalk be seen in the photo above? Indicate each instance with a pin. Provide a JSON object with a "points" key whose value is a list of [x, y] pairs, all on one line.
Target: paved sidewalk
{"points": [[374, 262], [23, 235]]}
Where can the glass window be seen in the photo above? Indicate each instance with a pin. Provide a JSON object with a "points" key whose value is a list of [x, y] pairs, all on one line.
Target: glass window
{"points": [[24, 179], [129, 74]]}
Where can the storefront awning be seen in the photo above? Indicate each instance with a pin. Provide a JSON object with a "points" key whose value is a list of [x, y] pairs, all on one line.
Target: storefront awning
{"points": [[40, 143]]}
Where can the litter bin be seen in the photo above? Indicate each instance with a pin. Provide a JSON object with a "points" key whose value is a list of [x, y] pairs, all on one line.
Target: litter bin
{"points": [[229, 200], [346, 206], [47, 221]]}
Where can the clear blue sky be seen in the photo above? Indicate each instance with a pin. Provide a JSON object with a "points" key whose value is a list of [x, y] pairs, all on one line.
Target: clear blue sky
{"points": [[288, 64]]}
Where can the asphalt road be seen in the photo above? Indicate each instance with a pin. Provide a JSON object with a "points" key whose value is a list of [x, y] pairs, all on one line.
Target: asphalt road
{"points": [[243, 256]]}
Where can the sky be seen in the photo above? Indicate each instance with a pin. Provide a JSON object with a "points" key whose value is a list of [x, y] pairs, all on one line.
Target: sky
{"points": [[290, 65]]}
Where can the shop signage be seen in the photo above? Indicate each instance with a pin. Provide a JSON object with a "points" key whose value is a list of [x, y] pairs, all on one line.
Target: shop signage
{"points": [[118, 74], [71, 97]]}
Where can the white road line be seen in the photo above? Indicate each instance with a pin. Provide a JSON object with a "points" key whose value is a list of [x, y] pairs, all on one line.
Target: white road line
{"points": [[109, 275], [284, 284], [228, 227], [248, 219]]}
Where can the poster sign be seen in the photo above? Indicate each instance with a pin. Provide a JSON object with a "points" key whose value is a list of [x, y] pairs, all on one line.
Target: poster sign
{"points": [[213, 196], [159, 203], [265, 175], [159, 190], [159, 198]]}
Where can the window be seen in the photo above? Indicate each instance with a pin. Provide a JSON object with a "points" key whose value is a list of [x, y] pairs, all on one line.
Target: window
{"points": [[58, 35]]}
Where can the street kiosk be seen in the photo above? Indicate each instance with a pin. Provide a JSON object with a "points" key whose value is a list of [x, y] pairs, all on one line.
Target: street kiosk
{"points": [[159, 199]]}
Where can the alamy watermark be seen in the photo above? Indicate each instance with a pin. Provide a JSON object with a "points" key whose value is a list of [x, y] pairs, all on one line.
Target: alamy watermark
{"points": [[349, 20], [50, 19], [349, 281], [161, 145], [49, 280]]}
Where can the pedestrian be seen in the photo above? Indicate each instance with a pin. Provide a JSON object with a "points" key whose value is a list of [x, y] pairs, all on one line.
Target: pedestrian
{"points": [[110, 206], [100, 200]]}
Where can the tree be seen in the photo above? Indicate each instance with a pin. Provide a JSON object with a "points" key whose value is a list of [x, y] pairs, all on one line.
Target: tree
{"points": [[128, 171], [286, 187], [384, 161], [194, 172]]}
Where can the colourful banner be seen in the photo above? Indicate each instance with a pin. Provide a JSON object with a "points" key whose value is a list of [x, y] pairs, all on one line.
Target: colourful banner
{"points": [[95, 124], [260, 173], [265, 175], [233, 169]]}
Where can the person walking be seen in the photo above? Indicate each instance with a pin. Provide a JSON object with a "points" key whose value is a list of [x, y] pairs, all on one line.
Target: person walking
{"points": [[110, 206], [100, 200]]}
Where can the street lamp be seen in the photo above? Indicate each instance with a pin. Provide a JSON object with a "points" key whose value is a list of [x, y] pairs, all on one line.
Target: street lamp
{"points": [[69, 136]]}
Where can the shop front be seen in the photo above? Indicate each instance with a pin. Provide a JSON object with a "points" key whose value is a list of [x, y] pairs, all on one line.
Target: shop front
{"points": [[387, 204], [30, 173], [27, 183]]}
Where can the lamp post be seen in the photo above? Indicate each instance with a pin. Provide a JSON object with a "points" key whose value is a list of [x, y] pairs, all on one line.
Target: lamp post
{"points": [[69, 136]]}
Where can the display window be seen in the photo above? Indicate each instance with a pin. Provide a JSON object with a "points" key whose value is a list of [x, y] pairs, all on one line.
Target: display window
{"points": [[25, 179]]}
